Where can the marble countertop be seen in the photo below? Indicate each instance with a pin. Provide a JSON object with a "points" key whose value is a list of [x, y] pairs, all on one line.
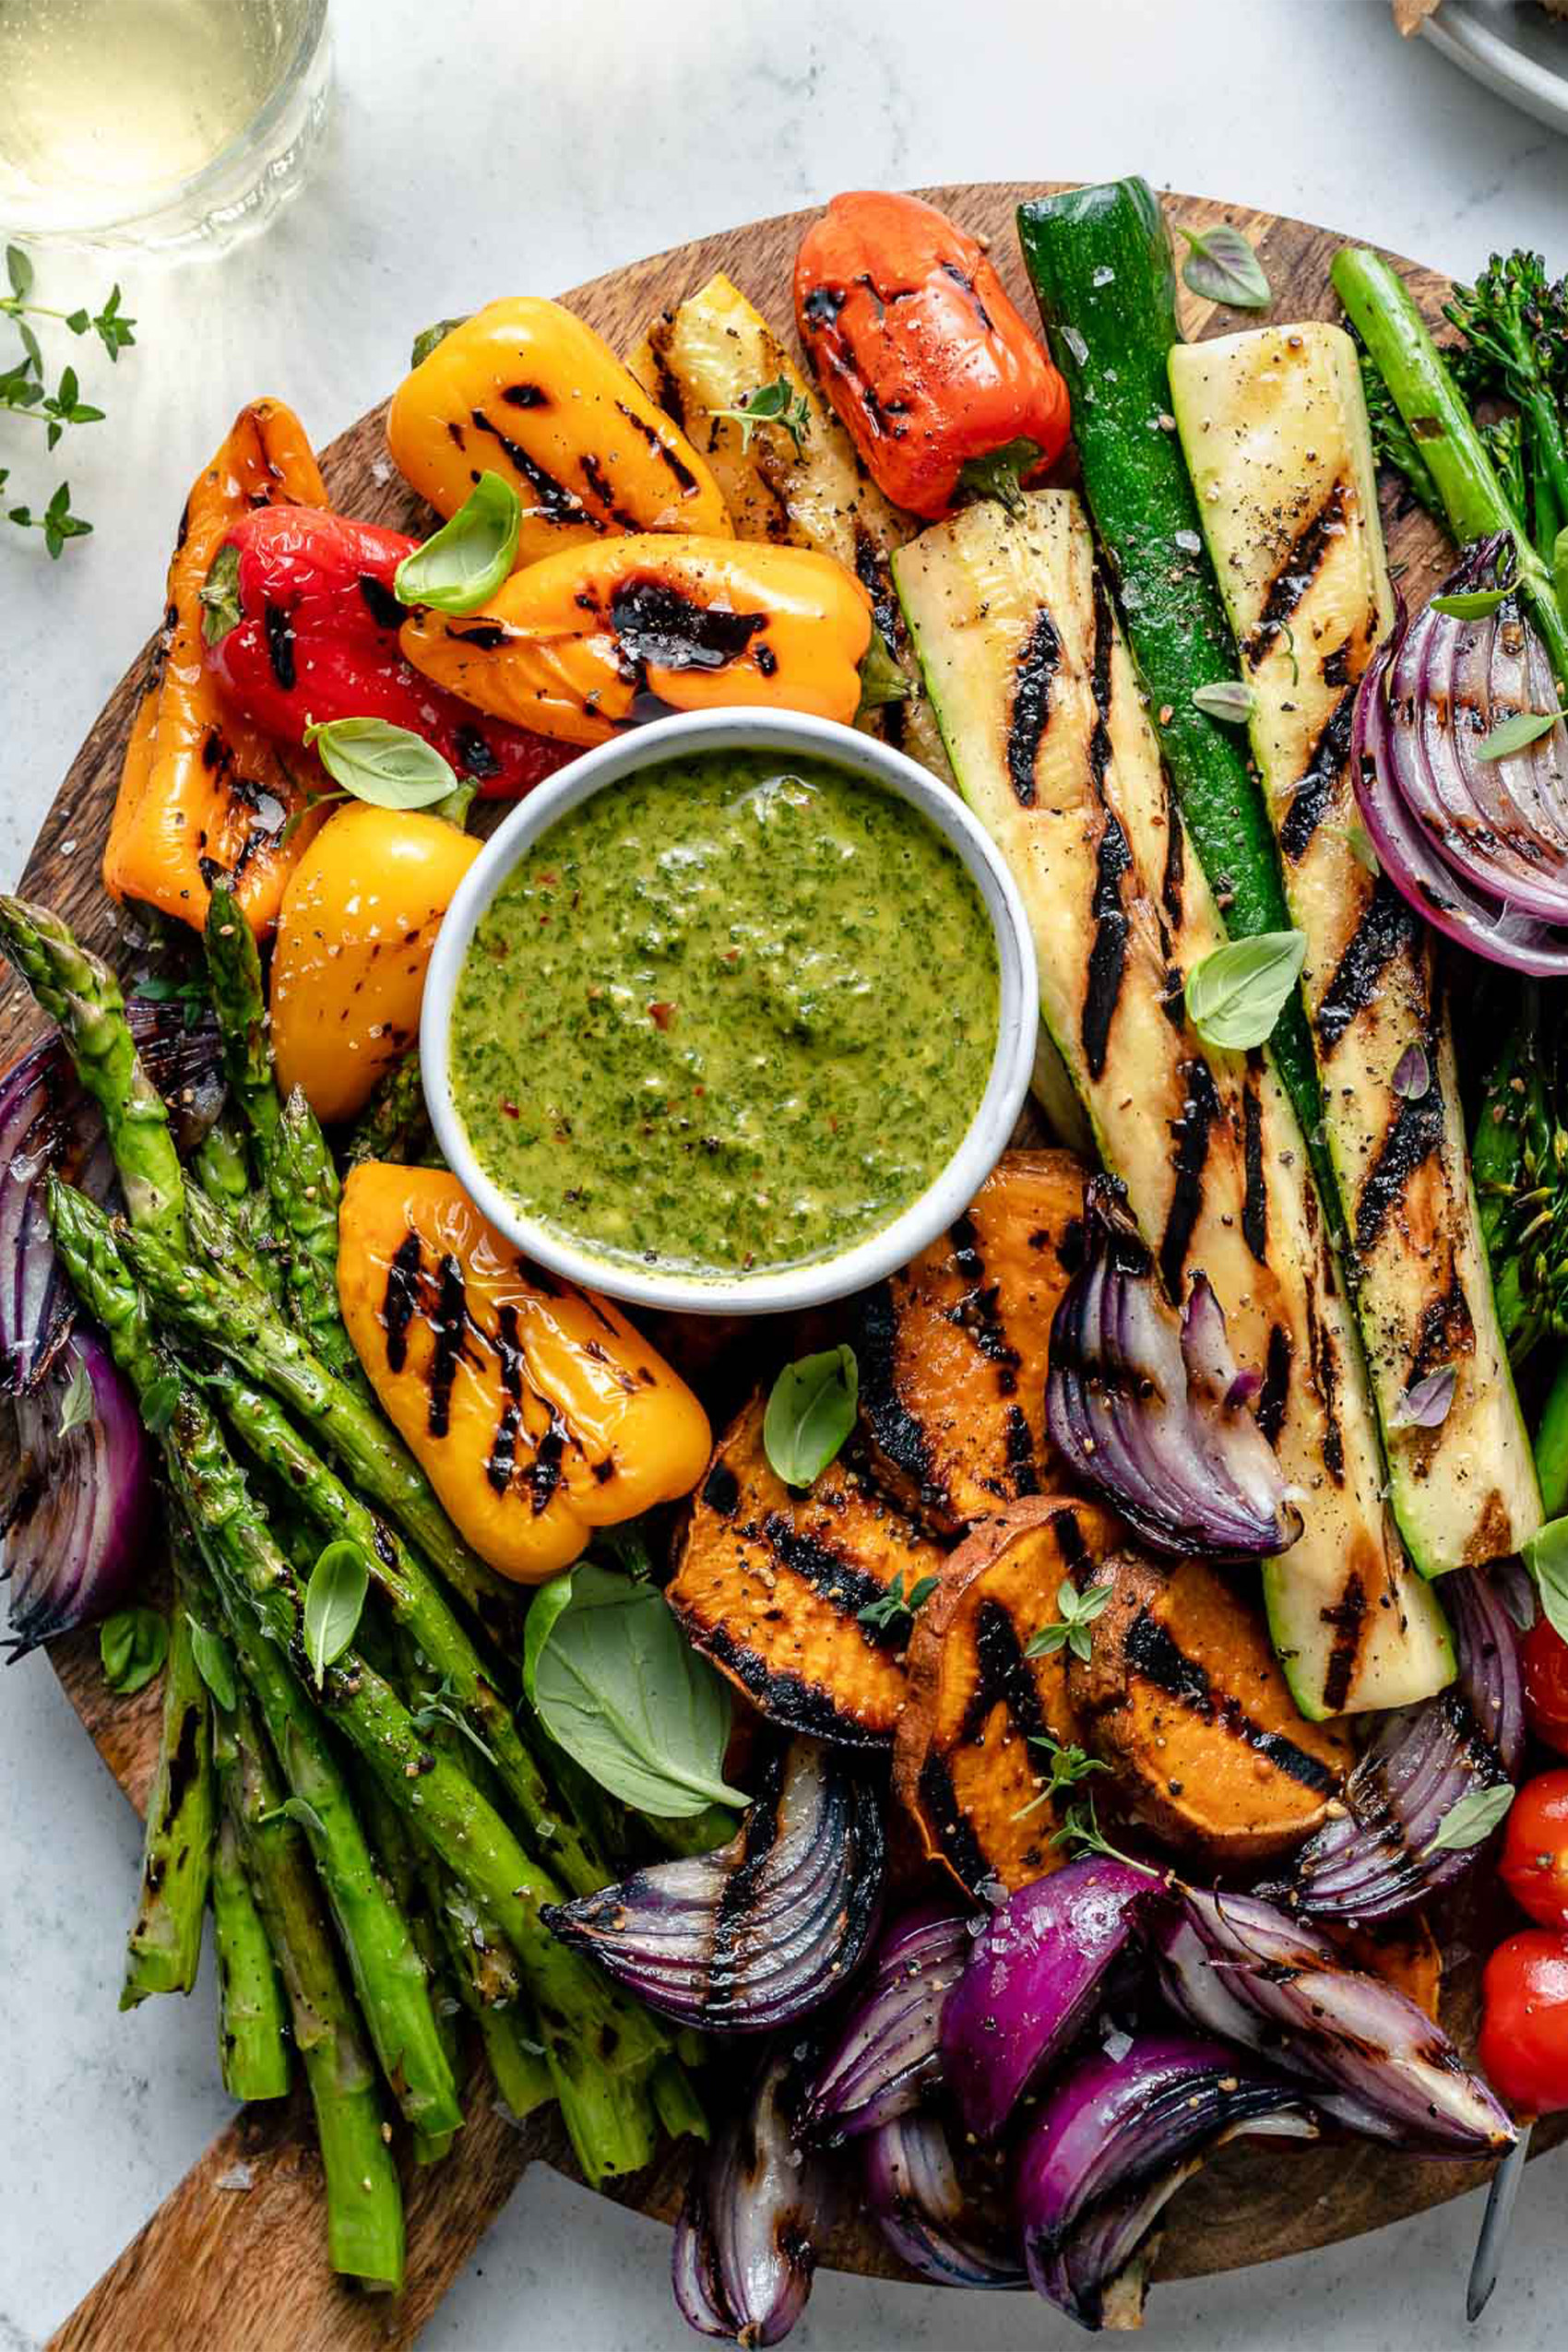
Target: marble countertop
{"points": [[478, 150]]}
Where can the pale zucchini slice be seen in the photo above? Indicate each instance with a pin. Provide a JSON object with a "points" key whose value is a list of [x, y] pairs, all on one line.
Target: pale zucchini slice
{"points": [[1275, 430], [709, 356], [1025, 662]]}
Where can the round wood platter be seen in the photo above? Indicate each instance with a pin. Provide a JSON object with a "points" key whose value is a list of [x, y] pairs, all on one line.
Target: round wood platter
{"points": [[237, 2272]]}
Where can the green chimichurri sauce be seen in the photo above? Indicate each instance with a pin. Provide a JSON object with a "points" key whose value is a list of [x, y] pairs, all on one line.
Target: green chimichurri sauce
{"points": [[726, 1016]]}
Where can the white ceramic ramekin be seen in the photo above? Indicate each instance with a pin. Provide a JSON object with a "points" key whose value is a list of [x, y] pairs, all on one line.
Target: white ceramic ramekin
{"points": [[793, 736]]}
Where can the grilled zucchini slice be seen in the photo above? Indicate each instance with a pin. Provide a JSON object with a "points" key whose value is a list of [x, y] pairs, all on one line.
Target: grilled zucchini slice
{"points": [[1182, 1696], [953, 1349], [1275, 428], [1026, 665], [770, 1584], [706, 358], [963, 1764]]}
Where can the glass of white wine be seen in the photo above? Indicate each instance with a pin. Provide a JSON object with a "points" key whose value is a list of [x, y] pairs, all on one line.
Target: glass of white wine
{"points": [[155, 123]]}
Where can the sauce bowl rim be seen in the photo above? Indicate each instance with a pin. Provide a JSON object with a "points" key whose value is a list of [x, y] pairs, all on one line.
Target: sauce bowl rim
{"points": [[816, 1281]]}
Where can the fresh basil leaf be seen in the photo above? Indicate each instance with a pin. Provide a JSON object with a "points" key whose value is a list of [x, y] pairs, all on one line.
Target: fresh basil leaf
{"points": [[1222, 268], [132, 1646], [615, 1682], [1471, 1820], [334, 1599], [1517, 734], [1471, 604], [295, 1809], [214, 1664], [77, 1406], [810, 1413], [1236, 994], [463, 565], [389, 766], [1231, 700], [1546, 1557]]}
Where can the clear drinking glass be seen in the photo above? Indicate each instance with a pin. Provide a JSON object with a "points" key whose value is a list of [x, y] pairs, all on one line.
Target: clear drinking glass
{"points": [[155, 123]]}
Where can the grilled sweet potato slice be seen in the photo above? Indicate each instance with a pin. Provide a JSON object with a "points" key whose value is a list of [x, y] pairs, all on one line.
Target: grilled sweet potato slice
{"points": [[1182, 1697], [953, 1348], [769, 1585], [962, 1763]]}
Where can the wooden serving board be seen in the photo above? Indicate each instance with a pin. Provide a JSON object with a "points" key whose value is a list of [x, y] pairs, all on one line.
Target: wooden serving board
{"points": [[233, 2272]]}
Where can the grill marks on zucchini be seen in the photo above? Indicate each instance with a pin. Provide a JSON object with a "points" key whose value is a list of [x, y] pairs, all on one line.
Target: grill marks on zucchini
{"points": [[1029, 713], [1215, 1162], [1386, 932], [1303, 559], [1320, 783], [769, 1585], [1275, 430], [953, 1349]]}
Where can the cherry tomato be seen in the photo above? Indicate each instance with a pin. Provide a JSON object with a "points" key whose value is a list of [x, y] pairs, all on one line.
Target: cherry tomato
{"points": [[1524, 2044], [1535, 1850], [1544, 1655]]}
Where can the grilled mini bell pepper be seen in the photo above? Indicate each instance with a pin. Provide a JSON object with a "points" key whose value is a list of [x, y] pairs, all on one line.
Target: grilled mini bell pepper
{"points": [[302, 624], [203, 791], [535, 1409], [355, 933], [527, 390], [576, 645], [918, 345]]}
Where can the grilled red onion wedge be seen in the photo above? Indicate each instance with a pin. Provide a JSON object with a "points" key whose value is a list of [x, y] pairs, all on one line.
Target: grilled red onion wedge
{"points": [[885, 2058], [913, 2195], [1036, 1969], [80, 1512], [1376, 1859], [1232, 1964], [1115, 2139], [1150, 1413], [743, 2257], [765, 1929], [1479, 846]]}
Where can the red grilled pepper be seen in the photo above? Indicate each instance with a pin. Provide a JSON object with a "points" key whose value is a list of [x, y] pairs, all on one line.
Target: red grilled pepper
{"points": [[918, 345], [302, 624]]}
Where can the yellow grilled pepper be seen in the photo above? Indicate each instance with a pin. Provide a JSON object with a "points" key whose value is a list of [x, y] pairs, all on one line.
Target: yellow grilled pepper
{"points": [[569, 646], [355, 933], [202, 792], [535, 1409], [527, 390]]}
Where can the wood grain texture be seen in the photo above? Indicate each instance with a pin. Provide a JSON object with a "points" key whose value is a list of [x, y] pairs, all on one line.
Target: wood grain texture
{"points": [[239, 2269]]}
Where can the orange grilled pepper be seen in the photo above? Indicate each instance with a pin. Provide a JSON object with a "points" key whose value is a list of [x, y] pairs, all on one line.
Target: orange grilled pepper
{"points": [[527, 390], [569, 646], [203, 791], [918, 345], [358, 922], [535, 1409]]}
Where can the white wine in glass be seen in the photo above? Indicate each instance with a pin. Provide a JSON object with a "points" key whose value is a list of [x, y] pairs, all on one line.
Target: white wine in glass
{"points": [[157, 122]]}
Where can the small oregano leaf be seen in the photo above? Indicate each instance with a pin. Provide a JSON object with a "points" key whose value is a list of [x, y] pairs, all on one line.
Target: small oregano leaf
{"points": [[1222, 268]]}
